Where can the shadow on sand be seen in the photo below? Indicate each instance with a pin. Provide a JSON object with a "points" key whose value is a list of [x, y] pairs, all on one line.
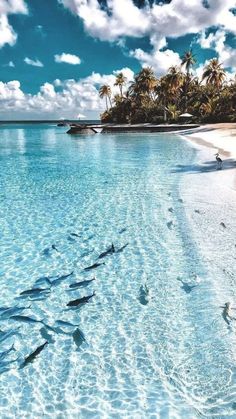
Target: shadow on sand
{"points": [[208, 166]]}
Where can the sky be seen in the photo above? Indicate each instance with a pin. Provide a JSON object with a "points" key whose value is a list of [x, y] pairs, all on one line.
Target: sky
{"points": [[55, 54]]}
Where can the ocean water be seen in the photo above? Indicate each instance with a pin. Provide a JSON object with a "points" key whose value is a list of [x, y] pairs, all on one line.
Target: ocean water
{"points": [[164, 354]]}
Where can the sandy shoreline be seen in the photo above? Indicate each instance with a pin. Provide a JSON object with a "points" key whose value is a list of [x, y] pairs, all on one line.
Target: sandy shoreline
{"points": [[209, 197], [213, 138]]}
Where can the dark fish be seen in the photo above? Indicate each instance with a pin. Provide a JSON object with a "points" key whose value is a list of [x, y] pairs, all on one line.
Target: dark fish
{"points": [[11, 311], [122, 248], [122, 230], [226, 313], [54, 248], [95, 265], [81, 283], [170, 209], [109, 251], [78, 337], [143, 294], [78, 301], [61, 278], [35, 291], [26, 319], [197, 211], [30, 358], [180, 200], [223, 225], [169, 224], [186, 287], [74, 234]]}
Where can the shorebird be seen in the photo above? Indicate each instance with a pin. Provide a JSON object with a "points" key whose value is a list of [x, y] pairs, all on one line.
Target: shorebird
{"points": [[219, 161]]}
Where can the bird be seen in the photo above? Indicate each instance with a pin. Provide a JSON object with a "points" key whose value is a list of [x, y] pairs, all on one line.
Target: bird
{"points": [[219, 161]]}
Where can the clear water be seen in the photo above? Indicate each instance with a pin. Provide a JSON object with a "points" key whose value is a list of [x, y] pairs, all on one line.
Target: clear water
{"points": [[170, 358]]}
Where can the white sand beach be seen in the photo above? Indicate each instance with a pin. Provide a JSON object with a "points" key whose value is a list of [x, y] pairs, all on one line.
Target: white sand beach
{"points": [[209, 196]]}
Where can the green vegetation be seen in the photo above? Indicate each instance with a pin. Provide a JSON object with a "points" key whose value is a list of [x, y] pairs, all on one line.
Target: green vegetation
{"points": [[157, 100]]}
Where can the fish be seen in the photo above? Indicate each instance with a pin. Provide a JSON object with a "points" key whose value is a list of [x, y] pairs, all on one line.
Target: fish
{"points": [[95, 265], [180, 200], [109, 251], [74, 234], [54, 248], [78, 337], [31, 357], [11, 311], [81, 284], [35, 291], [78, 301], [122, 230], [169, 224], [26, 319], [61, 278], [170, 209], [223, 224], [197, 211], [186, 287], [143, 294], [226, 313], [122, 248]]}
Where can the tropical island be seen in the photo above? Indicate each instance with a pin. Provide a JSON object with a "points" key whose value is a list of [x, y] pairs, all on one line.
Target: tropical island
{"points": [[209, 99]]}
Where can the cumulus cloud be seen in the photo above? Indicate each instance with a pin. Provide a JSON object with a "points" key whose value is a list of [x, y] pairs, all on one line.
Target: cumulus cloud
{"points": [[122, 18], [7, 33], [35, 63], [160, 61], [217, 41], [69, 98], [67, 58]]}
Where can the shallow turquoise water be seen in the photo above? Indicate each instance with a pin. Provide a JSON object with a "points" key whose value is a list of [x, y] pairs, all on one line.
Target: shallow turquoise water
{"points": [[169, 358]]}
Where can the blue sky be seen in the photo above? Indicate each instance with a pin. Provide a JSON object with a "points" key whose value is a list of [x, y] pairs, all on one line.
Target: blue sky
{"points": [[55, 54]]}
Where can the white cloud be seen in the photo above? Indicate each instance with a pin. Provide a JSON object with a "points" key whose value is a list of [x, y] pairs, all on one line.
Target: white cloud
{"points": [[7, 33], [179, 17], [35, 63], [160, 61], [69, 98], [67, 58], [217, 41]]}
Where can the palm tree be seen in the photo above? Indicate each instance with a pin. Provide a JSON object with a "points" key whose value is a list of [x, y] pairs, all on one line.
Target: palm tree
{"points": [[174, 78], [144, 83], [105, 91], [188, 60], [214, 73], [120, 81]]}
